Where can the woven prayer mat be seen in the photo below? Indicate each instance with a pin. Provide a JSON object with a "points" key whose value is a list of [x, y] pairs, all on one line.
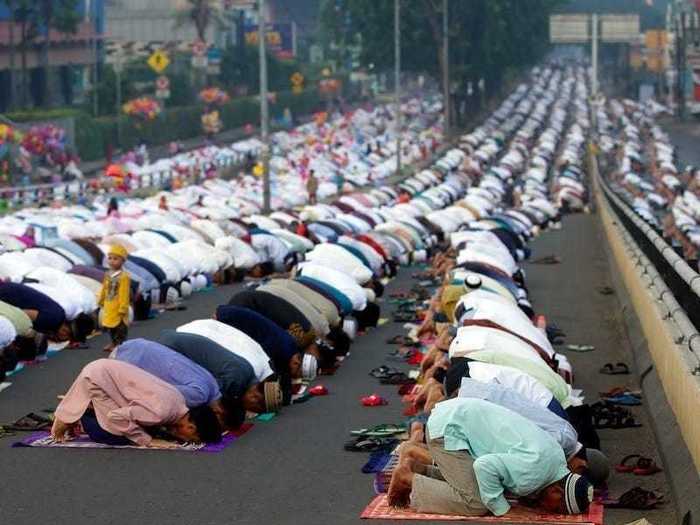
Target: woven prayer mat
{"points": [[44, 440], [379, 509]]}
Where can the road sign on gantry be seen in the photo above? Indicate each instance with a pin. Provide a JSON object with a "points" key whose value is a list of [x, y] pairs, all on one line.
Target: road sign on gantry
{"points": [[620, 29], [159, 61], [568, 29]]}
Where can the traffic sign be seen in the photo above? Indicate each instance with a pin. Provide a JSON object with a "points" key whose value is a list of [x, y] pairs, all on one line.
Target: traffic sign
{"points": [[199, 48], [162, 93], [199, 61], [162, 83], [159, 61], [297, 79]]}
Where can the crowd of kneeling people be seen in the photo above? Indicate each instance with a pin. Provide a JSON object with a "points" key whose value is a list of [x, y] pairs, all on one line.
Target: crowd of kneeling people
{"points": [[499, 410], [497, 415]]}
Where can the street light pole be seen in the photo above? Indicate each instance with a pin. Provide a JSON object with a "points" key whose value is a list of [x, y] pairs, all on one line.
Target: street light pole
{"points": [[594, 56], [264, 109], [446, 69], [397, 81]]}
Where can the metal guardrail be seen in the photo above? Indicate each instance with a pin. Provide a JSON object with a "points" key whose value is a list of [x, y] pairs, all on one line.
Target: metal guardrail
{"points": [[668, 277]]}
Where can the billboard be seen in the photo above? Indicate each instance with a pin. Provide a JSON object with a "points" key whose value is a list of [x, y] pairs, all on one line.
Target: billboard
{"points": [[568, 29], [620, 28]]}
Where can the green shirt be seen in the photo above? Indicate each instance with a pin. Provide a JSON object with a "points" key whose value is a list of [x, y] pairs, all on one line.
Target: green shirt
{"points": [[510, 452], [545, 375], [20, 320]]}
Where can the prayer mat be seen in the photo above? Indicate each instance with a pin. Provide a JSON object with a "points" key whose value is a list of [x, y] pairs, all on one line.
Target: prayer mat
{"points": [[379, 509], [4, 385], [44, 440]]}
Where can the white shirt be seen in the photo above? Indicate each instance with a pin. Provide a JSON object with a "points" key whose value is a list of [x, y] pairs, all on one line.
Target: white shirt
{"points": [[526, 385], [339, 280], [234, 341], [68, 285], [244, 256], [498, 310], [67, 301], [339, 258], [475, 338], [7, 332]]}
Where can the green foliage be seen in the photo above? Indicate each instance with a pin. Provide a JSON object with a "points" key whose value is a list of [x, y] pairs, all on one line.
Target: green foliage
{"points": [[181, 123], [243, 69], [487, 37]]}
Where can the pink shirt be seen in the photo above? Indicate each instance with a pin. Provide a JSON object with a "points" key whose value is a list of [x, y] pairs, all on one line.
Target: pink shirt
{"points": [[125, 399]]}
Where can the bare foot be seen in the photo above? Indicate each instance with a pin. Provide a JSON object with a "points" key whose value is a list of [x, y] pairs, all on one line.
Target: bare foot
{"points": [[399, 493], [59, 429], [417, 433]]}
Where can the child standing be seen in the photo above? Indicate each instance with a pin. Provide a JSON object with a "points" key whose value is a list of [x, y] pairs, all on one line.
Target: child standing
{"points": [[114, 297]]}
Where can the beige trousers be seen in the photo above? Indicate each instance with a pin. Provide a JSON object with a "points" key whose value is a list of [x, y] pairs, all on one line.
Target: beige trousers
{"points": [[449, 487]]}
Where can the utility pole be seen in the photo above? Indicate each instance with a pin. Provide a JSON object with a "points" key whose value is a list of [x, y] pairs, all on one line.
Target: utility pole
{"points": [[397, 81], [95, 79], [264, 110], [446, 62], [680, 63], [594, 55]]}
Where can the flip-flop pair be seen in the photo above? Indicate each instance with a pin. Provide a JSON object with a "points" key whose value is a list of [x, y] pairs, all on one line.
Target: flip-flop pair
{"points": [[623, 399], [580, 348], [384, 430], [636, 499], [368, 444], [642, 467], [29, 423], [614, 369]]}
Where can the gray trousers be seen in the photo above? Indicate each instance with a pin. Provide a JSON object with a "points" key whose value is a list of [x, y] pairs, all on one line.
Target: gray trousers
{"points": [[449, 487]]}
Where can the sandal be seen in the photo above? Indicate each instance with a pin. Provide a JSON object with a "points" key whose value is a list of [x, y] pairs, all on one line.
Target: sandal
{"points": [[365, 444], [385, 430], [376, 462], [399, 378], [615, 369], [620, 390], [623, 399], [580, 348], [623, 467], [646, 467], [383, 371], [373, 401], [29, 423], [635, 499]]}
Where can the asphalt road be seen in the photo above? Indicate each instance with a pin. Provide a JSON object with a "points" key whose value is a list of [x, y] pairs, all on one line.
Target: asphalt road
{"points": [[293, 469]]}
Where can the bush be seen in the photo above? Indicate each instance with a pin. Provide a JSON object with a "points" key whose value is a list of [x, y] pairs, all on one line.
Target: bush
{"points": [[93, 134]]}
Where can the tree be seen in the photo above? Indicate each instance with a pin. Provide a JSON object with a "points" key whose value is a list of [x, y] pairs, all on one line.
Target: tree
{"points": [[201, 14], [61, 15], [37, 18], [488, 37]]}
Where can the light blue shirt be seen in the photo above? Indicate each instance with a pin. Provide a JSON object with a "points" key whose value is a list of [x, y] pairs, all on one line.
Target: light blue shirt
{"points": [[196, 384], [510, 452], [560, 429]]}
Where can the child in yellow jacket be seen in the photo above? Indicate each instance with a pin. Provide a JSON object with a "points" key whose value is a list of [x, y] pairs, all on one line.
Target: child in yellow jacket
{"points": [[115, 297]]}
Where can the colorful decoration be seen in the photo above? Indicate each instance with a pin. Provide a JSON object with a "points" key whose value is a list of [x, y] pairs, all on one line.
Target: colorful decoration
{"points": [[48, 142], [142, 108], [211, 122], [10, 134], [214, 96]]}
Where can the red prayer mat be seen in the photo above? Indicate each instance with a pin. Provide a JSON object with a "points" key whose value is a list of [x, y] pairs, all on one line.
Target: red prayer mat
{"points": [[379, 509]]}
